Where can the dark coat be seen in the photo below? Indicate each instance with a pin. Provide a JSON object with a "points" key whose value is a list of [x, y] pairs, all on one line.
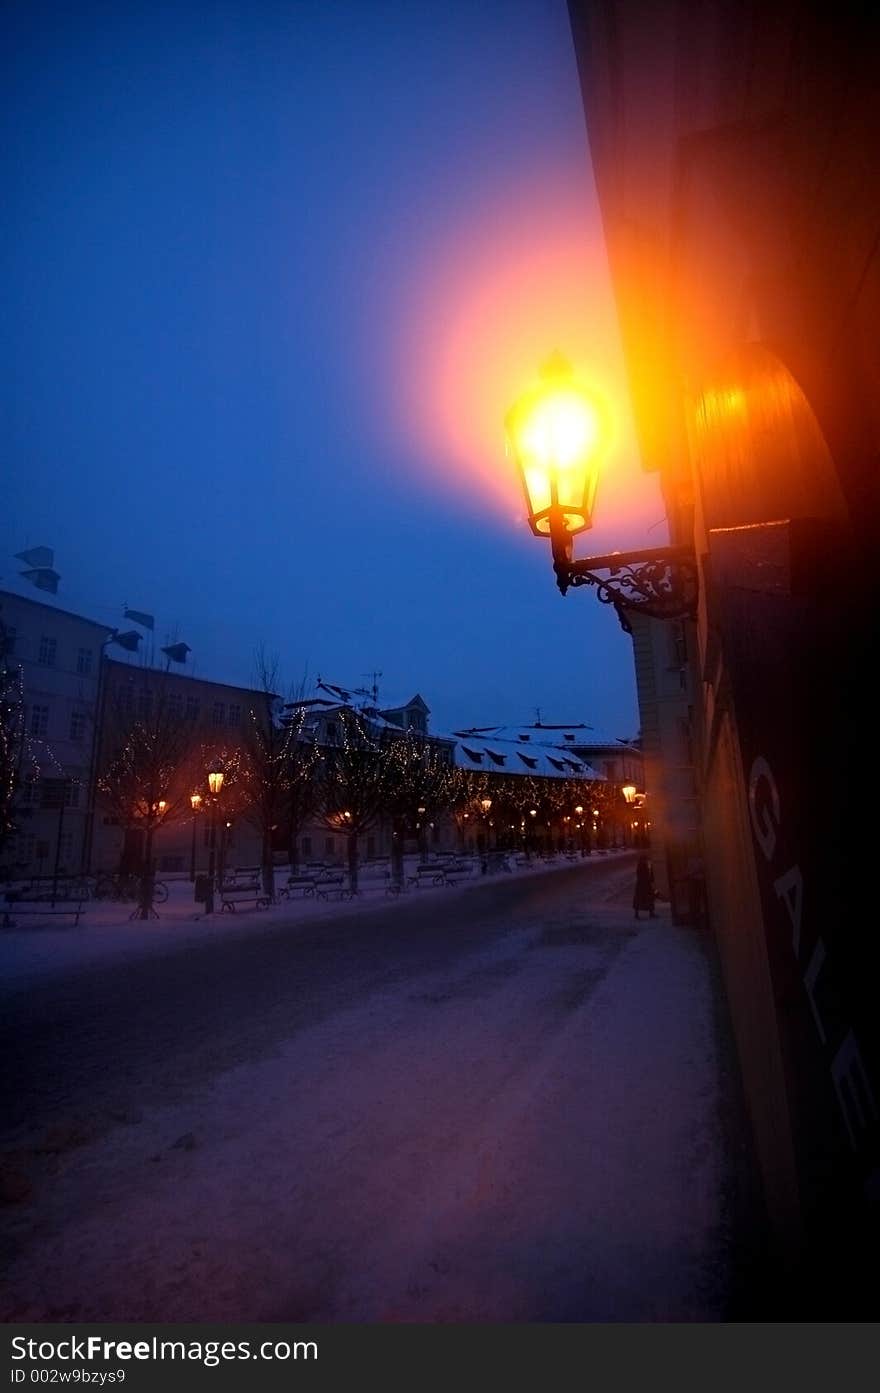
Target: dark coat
{"points": [[643, 895]]}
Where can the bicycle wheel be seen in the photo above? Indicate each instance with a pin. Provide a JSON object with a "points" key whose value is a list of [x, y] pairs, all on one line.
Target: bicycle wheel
{"points": [[160, 892]]}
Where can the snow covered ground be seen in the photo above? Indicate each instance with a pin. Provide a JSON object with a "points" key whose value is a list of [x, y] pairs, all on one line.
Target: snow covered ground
{"points": [[37, 947], [504, 1107]]}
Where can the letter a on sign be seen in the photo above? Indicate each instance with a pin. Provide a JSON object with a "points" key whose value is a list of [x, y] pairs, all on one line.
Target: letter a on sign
{"points": [[790, 888]]}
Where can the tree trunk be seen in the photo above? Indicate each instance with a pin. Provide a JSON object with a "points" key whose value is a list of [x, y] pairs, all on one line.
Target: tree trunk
{"points": [[268, 867], [293, 850], [353, 862], [397, 875], [146, 897]]}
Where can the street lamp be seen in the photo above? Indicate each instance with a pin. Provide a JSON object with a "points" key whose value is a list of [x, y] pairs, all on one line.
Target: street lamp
{"points": [[558, 432], [215, 786], [196, 801], [629, 792]]}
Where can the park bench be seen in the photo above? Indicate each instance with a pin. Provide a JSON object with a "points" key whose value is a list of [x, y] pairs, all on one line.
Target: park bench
{"points": [[454, 871], [40, 903], [244, 886], [299, 885], [332, 886], [377, 884], [429, 875]]}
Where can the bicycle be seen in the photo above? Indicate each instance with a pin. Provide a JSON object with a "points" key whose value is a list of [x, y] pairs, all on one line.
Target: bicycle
{"points": [[127, 887]]}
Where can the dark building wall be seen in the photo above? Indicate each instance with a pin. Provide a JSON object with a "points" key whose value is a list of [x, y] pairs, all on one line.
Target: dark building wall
{"points": [[736, 150]]}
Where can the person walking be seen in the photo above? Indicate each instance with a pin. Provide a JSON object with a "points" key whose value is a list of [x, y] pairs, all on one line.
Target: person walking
{"points": [[644, 893]]}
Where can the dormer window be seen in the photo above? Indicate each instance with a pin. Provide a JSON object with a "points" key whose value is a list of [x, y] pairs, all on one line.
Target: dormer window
{"points": [[528, 761], [496, 758], [475, 755]]}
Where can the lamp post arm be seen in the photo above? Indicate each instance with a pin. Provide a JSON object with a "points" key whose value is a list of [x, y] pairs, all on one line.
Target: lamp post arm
{"points": [[660, 582]]}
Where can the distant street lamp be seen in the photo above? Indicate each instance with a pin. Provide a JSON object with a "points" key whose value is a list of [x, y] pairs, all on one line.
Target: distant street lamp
{"points": [[558, 432], [196, 801]]}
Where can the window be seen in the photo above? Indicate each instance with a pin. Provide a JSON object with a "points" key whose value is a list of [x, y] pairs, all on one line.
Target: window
{"points": [[84, 661], [528, 761], [7, 642], [234, 717], [474, 755], [145, 705], [332, 733], [78, 726], [39, 724], [48, 647], [174, 706], [218, 716], [611, 768], [192, 708], [71, 793], [30, 793], [306, 845]]}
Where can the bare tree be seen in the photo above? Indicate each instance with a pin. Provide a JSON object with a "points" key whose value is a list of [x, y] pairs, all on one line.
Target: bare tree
{"points": [[301, 793], [265, 765], [143, 775], [352, 783], [422, 784], [13, 741]]}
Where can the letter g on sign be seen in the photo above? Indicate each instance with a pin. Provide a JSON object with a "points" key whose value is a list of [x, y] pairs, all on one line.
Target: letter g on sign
{"points": [[764, 802]]}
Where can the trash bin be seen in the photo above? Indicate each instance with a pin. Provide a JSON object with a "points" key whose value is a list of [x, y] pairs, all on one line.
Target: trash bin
{"points": [[202, 888]]}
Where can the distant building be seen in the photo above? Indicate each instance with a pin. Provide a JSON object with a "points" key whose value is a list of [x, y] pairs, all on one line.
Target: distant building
{"points": [[217, 715], [60, 656]]}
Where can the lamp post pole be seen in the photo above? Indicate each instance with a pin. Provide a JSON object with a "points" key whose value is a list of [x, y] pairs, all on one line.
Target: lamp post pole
{"points": [[196, 801], [215, 784]]}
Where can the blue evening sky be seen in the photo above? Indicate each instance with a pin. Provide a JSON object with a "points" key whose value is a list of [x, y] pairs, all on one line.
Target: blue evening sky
{"points": [[273, 272]]}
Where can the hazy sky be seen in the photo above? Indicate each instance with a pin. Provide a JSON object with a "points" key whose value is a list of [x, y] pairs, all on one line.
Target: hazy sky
{"points": [[274, 272]]}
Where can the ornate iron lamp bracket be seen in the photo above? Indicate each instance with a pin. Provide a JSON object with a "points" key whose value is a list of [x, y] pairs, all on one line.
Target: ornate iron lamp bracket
{"points": [[662, 583]]}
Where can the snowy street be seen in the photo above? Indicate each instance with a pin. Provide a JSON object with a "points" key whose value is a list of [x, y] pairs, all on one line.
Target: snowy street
{"points": [[498, 1102]]}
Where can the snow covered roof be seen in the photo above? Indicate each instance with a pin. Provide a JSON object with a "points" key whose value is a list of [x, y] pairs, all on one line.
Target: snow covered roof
{"points": [[546, 760], [575, 735]]}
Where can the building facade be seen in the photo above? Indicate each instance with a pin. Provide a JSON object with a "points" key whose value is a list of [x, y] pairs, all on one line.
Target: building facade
{"points": [[736, 153], [59, 655], [214, 717]]}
